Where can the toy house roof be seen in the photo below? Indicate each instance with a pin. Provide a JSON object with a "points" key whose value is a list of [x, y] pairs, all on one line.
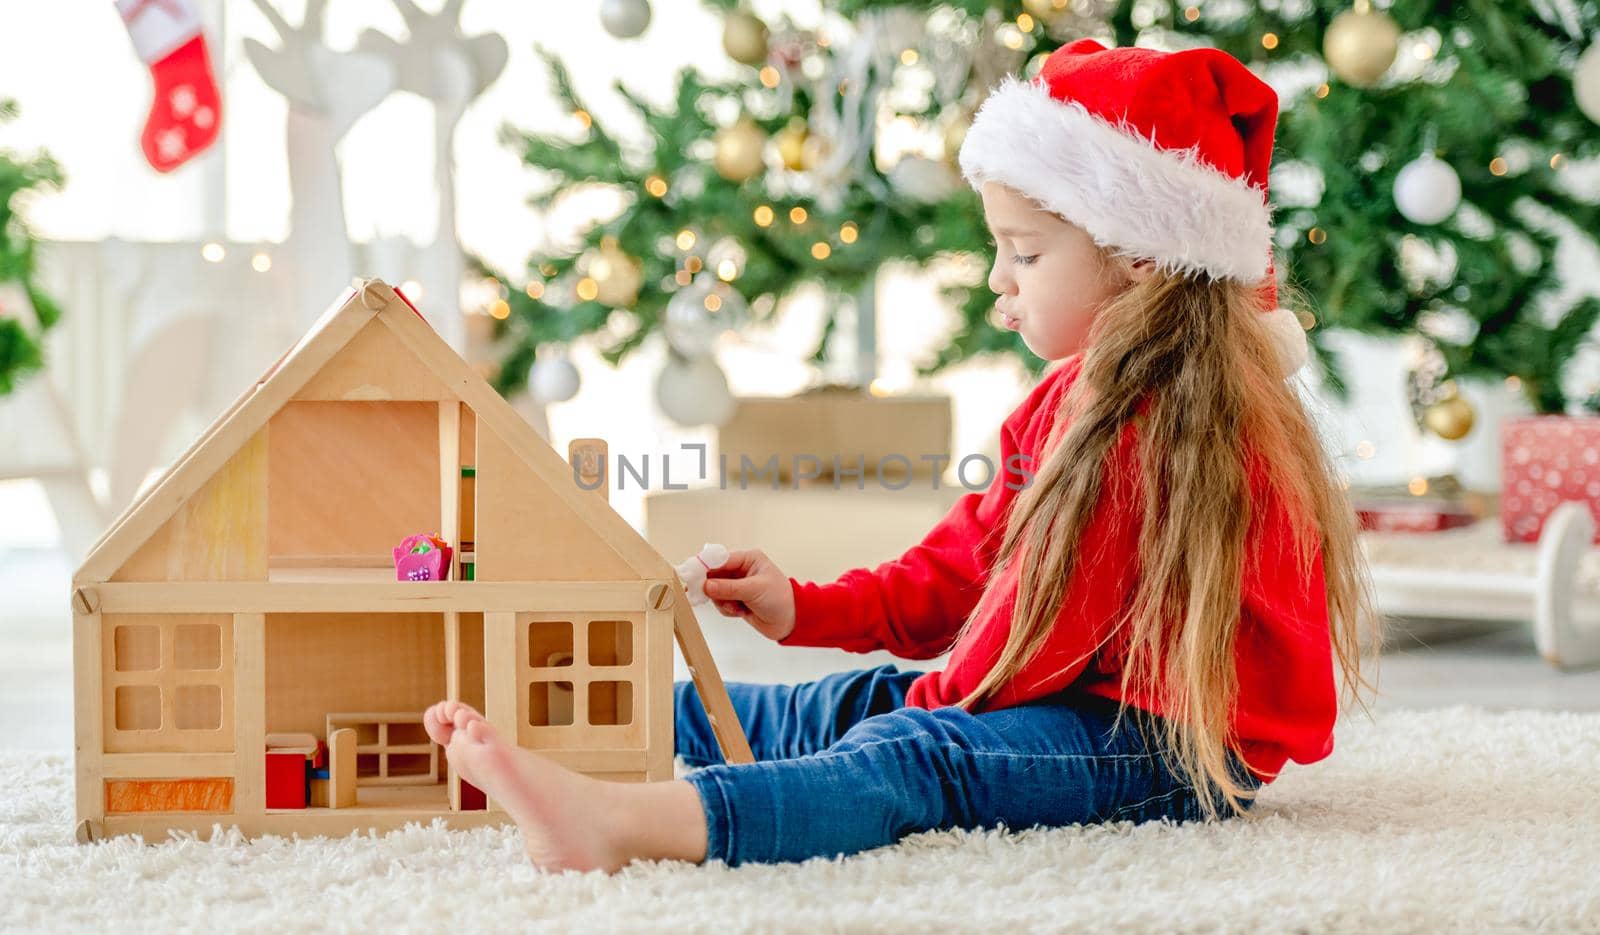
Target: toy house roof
{"points": [[407, 352]]}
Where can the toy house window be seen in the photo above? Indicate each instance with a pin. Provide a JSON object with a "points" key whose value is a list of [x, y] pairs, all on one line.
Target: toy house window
{"points": [[610, 702], [168, 683], [610, 643], [550, 704], [550, 644], [583, 671]]}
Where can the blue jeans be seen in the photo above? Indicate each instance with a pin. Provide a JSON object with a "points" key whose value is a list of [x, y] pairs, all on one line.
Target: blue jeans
{"points": [[842, 765]]}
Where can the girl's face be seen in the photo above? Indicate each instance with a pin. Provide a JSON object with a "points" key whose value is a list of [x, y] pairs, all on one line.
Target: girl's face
{"points": [[1048, 273]]}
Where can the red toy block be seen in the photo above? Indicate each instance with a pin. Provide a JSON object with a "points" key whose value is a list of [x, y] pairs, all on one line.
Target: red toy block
{"points": [[472, 798], [286, 779]]}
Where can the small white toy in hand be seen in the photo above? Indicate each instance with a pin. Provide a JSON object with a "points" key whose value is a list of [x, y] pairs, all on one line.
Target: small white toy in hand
{"points": [[693, 570]]}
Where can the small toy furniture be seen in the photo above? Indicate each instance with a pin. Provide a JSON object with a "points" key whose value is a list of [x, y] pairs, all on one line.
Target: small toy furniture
{"points": [[1472, 573], [251, 591]]}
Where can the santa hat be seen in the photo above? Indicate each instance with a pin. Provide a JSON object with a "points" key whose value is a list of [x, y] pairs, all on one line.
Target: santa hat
{"points": [[1155, 154]]}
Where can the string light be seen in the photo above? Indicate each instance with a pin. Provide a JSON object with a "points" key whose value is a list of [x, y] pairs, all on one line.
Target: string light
{"points": [[656, 185], [584, 118], [728, 270], [1025, 22], [1317, 235], [1269, 41], [261, 263], [1557, 161], [693, 264], [797, 215], [1498, 165], [713, 302], [535, 290], [1418, 486], [1365, 449], [821, 250], [1191, 13], [1322, 90], [500, 309], [682, 277], [412, 289], [847, 232], [213, 252], [763, 216], [1513, 383], [588, 289], [769, 76], [909, 56], [685, 239]]}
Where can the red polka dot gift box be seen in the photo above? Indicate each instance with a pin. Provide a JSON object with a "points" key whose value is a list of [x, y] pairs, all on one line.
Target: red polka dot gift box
{"points": [[1546, 461]]}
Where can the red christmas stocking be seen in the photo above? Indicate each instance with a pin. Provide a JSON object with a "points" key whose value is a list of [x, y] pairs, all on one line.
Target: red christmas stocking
{"points": [[186, 111]]}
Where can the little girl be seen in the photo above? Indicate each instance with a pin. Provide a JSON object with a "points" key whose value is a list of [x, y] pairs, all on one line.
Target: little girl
{"points": [[1179, 546]]}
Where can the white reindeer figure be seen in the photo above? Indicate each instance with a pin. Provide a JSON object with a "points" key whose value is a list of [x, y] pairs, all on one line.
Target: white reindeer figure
{"points": [[439, 63], [327, 92]]}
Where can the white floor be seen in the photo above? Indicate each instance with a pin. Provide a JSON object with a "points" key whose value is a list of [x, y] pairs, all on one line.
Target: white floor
{"points": [[1429, 664]]}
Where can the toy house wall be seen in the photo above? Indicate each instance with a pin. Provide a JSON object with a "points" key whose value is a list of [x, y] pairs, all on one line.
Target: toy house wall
{"points": [[347, 481], [322, 663]]}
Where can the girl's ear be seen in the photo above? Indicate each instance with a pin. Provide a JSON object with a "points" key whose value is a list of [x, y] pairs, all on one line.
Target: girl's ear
{"points": [[1141, 269]]}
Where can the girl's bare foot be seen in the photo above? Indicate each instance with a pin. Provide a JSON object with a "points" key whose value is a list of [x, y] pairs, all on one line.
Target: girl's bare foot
{"points": [[445, 718], [570, 821], [563, 815]]}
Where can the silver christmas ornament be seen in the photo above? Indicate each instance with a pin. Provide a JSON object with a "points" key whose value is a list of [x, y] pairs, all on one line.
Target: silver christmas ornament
{"points": [[553, 380], [625, 19], [1427, 190], [694, 392], [701, 311]]}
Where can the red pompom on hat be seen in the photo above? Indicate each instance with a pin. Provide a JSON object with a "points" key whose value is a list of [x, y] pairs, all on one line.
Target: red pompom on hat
{"points": [[1155, 154]]}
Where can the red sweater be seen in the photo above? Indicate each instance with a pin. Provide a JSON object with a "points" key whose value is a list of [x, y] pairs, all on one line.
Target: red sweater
{"points": [[913, 606]]}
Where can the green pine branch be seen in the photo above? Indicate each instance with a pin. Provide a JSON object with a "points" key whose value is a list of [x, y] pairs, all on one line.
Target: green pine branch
{"points": [[22, 345]]}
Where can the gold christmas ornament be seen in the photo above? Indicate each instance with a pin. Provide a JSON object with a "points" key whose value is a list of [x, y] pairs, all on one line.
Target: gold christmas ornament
{"points": [[1450, 419], [1045, 10], [1361, 44], [792, 148], [738, 156], [744, 38], [617, 275]]}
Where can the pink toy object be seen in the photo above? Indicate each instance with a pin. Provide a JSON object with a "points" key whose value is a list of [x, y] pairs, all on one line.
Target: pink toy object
{"points": [[422, 558]]}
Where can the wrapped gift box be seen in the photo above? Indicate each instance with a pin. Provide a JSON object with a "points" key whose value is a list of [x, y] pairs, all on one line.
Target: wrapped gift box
{"points": [[1414, 515], [1545, 461], [857, 427]]}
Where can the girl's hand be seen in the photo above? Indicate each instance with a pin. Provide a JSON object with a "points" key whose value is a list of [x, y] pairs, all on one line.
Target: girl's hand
{"points": [[748, 585]]}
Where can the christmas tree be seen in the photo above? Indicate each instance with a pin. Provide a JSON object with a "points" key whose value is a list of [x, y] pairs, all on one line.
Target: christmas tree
{"points": [[21, 351], [1422, 172], [1422, 178], [830, 154]]}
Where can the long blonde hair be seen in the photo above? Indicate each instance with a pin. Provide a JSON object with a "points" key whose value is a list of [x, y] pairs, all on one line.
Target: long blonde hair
{"points": [[1198, 349]]}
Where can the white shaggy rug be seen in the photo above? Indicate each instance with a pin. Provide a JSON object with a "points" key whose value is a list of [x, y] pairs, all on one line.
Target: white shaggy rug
{"points": [[1446, 820]]}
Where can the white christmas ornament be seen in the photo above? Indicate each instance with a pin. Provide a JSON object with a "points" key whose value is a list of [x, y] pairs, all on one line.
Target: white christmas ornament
{"points": [[692, 571], [625, 19], [700, 312], [694, 392], [553, 380], [924, 180], [1586, 82], [1427, 190]]}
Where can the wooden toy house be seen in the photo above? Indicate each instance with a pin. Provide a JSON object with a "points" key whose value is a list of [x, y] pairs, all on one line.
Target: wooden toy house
{"points": [[248, 599]]}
